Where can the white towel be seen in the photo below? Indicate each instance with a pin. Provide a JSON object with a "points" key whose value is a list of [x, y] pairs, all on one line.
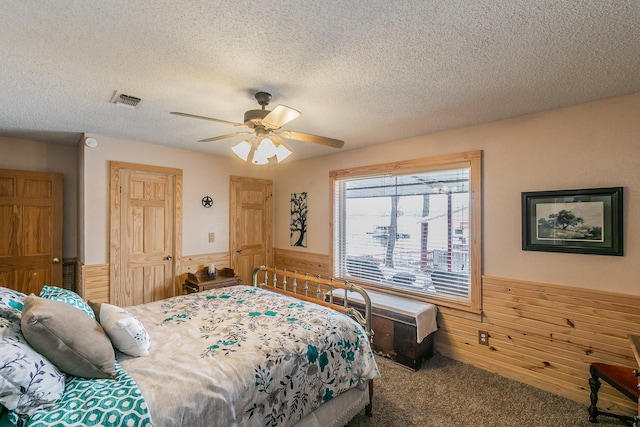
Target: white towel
{"points": [[424, 312]]}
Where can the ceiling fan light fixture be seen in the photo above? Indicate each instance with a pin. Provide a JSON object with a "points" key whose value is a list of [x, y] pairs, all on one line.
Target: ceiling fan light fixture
{"points": [[259, 158], [282, 152], [242, 149], [266, 140], [266, 148]]}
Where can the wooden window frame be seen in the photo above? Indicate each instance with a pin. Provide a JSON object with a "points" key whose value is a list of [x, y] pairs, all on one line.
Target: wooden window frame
{"points": [[469, 159]]}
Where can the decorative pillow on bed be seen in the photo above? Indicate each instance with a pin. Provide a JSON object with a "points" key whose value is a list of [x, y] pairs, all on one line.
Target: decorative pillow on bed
{"points": [[75, 343], [11, 303], [66, 296], [28, 381], [126, 332]]}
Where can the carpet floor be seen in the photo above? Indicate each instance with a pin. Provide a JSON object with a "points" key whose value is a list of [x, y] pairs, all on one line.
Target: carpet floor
{"points": [[445, 392]]}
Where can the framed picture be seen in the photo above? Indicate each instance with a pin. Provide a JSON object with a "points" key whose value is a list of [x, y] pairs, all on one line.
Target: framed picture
{"points": [[585, 221]]}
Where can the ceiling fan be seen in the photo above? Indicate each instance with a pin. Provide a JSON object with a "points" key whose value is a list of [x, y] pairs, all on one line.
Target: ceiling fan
{"points": [[267, 138]]}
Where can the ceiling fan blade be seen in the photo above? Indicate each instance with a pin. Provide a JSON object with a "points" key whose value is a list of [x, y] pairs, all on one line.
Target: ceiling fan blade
{"points": [[280, 116], [231, 135], [208, 118], [315, 139]]}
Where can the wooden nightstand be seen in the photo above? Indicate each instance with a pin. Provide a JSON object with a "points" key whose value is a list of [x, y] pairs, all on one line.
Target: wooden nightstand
{"points": [[200, 281]]}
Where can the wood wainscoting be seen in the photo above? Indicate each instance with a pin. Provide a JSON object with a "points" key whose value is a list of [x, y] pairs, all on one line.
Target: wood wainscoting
{"points": [[540, 334], [92, 281], [303, 262], [547, 335]]}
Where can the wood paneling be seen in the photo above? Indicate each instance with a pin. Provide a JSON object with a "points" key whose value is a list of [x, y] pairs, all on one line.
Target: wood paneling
{"points": [[544, 335], [92, 281], [95, 282], [303, 262]]}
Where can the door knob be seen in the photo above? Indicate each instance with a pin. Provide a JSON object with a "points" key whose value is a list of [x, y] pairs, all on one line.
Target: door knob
{"points": [[56, 261], [169, 257], [239, 251]]}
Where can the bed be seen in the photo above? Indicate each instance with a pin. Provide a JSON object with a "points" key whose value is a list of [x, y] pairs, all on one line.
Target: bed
{"points": [[261, 355]]}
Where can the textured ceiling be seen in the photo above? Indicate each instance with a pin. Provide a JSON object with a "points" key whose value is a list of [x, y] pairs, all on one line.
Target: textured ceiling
{"points": [[363, 71]]}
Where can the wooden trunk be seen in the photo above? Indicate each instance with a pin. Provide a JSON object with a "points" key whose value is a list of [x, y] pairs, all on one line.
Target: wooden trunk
{"points": [[395, 336]]}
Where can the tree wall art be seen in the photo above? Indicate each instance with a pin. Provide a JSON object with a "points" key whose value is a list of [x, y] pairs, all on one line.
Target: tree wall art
{"points": [[298, 227]]}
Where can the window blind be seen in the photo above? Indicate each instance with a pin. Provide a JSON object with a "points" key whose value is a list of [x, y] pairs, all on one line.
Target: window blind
{"points": [[406, 231]]}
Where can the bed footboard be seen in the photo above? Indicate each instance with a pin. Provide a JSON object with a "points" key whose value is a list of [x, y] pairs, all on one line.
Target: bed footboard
{"points": [[320, 291], [286, 282]]}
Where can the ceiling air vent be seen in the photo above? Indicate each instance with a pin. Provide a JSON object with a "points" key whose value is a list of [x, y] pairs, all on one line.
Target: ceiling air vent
{"points": [[125, 100]]}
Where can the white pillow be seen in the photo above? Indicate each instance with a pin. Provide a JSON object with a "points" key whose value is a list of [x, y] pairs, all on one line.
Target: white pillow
{"points": [[126, 332], [28, 381]]}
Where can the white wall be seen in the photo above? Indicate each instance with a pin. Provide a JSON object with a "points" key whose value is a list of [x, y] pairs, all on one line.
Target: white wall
{"points": [[589, 145], [203, 174]]}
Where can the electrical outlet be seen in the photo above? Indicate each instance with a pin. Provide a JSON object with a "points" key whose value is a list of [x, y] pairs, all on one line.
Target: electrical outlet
{"points": [[212, 237], [483, 337]]}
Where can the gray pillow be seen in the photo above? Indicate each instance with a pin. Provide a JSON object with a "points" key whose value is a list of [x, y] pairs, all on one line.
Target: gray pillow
{"points": [[68, 337]]}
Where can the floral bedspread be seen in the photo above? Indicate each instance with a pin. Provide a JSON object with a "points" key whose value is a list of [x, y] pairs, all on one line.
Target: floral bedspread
{"points": [[243, 356]]}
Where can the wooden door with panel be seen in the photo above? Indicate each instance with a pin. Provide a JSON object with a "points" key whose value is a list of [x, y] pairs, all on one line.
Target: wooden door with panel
{"points": [[145, 234], [30, 230], [250, 225]]}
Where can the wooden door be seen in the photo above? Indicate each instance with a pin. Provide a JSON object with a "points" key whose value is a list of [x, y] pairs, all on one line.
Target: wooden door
{"points": [[250, 225], [30, 230], [145, 253]]}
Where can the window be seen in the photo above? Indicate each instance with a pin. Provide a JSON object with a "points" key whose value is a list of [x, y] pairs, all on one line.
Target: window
{"points": [[411, 227]]}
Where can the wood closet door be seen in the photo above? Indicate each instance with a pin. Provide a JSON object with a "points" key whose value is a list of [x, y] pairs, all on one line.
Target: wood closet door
{"points": [[30, 230], [250, 225], [145, 268]]}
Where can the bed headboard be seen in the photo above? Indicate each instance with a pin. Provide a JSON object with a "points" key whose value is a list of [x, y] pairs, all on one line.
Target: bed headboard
{"points": [[321, 290]]}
